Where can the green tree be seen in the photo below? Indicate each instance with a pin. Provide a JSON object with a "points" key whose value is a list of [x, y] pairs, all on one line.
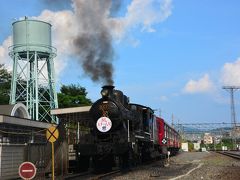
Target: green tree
{"points": [[5, 85], [70, 95], [73, 96]]}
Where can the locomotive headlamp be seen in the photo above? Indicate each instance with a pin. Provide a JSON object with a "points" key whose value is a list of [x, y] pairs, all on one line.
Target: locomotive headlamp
{"points": [[104, 92]]}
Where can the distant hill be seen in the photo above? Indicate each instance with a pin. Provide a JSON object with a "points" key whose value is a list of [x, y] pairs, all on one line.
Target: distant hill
{"points": [[192, 130]]}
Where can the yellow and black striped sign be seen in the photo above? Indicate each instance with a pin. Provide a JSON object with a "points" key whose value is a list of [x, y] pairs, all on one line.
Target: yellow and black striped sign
{"points": [[52, 134]]}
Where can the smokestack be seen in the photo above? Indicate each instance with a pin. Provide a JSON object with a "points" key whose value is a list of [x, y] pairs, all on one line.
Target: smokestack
{"points": [[108, 87], [107, 91]]}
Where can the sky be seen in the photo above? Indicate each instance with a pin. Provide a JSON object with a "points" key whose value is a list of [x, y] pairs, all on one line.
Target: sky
{"points": [[173, 56]]}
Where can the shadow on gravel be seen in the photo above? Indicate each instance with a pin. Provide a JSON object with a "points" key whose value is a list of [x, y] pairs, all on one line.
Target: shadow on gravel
{"points": [[171, 171]]}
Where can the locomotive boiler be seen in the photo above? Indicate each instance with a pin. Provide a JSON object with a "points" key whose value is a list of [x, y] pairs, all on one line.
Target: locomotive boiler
{"points": [[114, 122]]}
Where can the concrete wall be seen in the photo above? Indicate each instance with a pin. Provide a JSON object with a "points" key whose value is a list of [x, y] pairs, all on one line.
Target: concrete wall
{"points": [[11, 156], [185, 147]]}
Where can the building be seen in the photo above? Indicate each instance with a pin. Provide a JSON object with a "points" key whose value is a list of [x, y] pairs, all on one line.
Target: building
{"points": [[21, 139], [207, 139], [196, 146], [185, 147]]}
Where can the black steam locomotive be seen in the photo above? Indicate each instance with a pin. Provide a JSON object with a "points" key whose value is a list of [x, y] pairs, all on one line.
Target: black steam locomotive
{"points": [[122, 134]]}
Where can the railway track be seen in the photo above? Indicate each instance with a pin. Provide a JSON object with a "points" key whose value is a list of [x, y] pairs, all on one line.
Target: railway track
{"points": [[233, 154], [78, 175], [102, 176], [91, 176]]}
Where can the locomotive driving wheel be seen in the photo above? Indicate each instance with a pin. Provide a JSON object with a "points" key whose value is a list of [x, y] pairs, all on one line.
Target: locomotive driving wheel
{"points": [[124, 160], [83, 163], [134, 159], [103, 163]]}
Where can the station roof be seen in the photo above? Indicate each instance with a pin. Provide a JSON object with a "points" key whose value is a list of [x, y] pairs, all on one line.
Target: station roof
{"points": [[71, 110], [23, 122], [73, 114]]}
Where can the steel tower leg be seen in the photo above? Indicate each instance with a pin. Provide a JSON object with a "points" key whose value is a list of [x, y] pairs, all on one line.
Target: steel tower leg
{"points": [[13, 84], [33, 84]]}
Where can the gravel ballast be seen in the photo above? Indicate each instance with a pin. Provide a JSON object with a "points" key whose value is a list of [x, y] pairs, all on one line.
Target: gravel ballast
{"points": [[188, 166]]}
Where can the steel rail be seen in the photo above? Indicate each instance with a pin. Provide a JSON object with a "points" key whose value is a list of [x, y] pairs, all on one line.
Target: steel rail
{"points": [[230, 154], [101, 176]]}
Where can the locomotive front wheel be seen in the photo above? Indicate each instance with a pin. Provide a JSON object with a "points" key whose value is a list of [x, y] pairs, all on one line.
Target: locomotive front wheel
{"points": [[83, 163], [133, 159], [139, 158], [124, 161], [103, 163]]}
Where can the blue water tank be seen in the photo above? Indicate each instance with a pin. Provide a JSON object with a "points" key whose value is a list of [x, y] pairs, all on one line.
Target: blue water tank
{"points": [[32, 35]]}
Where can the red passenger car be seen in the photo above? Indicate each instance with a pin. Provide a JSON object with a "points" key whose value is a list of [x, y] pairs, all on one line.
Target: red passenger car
{"points": [[168, 138]]}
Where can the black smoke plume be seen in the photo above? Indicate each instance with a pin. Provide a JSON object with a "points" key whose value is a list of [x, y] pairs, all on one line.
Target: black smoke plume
{"points": [[94, 41], [96, 55]]}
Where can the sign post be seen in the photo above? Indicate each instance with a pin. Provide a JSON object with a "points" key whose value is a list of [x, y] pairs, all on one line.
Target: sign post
{"points": [[52, 135], [27, 170]]}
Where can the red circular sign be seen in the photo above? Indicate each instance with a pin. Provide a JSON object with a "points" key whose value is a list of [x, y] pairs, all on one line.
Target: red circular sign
{"points": [[27, 170]]}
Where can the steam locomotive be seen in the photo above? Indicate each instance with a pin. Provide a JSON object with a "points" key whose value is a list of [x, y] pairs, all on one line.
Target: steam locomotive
{"points": [[124, 134]]}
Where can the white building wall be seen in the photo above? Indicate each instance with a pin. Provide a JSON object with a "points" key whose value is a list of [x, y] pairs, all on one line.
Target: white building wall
{"points": [[196, 146], [185, 147]]}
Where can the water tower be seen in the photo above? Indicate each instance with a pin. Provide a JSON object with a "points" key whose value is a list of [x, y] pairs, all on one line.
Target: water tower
{"points": [[33, 81]]}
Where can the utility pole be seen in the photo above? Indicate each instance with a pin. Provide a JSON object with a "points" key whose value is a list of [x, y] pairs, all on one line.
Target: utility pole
{"points": [[231, 90]]}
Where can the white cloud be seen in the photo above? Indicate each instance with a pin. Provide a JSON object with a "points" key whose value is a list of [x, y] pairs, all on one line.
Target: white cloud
{"points": [[66, 25], [141, 14], [163, 98], [230, 74], [202, 85], [63, 31], [4, 57]]}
